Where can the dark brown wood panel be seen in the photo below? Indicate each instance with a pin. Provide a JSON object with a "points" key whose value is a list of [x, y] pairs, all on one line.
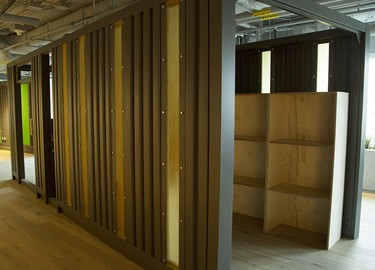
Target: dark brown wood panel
{"points": [[156, 130], [148, 134], [128, 128], [248, 71], [138, 130]]}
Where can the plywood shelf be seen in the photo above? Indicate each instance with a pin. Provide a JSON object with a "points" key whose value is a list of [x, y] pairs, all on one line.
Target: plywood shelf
{"points": [[300, 236], [248, 181], [297, 143], [250, 138], [303, 143], [301, 191]]}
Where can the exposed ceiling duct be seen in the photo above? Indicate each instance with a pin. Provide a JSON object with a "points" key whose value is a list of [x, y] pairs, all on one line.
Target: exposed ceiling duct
{"points": [[248, 24]]}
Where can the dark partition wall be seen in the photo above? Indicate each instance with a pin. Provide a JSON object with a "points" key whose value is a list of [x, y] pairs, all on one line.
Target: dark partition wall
{"points": [[4, 117]]}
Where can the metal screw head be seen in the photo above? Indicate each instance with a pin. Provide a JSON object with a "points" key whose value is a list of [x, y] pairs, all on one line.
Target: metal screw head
{"points": [[181, 168], [180, 220], [163, 112], [162, 163], [181, 112]]}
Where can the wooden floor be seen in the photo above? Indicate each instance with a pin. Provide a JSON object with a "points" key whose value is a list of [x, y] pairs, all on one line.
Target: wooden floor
{"points": [[5, 165], [34, 236], [253, 249]]}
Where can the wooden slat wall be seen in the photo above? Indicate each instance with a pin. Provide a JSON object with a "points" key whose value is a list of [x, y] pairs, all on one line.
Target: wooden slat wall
{"points": [[249, 71], [4, 115], [110, 129], [293, 68]]}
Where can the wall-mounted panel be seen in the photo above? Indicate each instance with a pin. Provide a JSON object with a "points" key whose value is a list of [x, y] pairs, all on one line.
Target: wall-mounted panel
{"points": [[110, 123]]}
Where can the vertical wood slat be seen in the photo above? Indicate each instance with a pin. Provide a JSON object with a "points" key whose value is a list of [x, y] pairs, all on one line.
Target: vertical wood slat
{"points": [[64, 124], [203, 142], [102, 132], [56, 126], [156, 73], [96, 128], [190, 139], [119, 115], [70, 88], [112, 103], [108, 123], [128, 128], [182, 146], [59, 97], [77, 126], [35, 83], [89, 54], [147, 128], [138, 131], [83, 126], [163, 128]]}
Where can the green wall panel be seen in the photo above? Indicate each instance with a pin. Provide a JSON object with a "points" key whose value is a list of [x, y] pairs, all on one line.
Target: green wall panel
{"points": [[25, 113]]}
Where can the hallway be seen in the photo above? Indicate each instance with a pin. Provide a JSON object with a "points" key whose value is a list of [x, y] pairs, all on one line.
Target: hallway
{"points": [[34, 236]]}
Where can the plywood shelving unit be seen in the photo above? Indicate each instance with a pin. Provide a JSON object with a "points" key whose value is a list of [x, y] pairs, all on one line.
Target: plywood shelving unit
{"points": [[305, 154], [250, 154]]}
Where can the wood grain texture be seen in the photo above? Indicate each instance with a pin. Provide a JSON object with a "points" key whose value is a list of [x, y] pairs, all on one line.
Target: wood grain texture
{"points": [[302, 116], [34, 236], [251, 115]]}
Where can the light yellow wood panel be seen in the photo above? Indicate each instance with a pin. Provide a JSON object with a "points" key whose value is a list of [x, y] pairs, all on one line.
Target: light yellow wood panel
{"points": [[248, 201], [306, 166], [66, 123], [249, 159], [83, 116], [119, 133], [302, 116], [338, 177], [173, 116], [251, 115]]}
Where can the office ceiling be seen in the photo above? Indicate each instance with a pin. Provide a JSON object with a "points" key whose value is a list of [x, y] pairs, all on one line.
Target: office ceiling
{"points": [[256, 21], [25, 25]]}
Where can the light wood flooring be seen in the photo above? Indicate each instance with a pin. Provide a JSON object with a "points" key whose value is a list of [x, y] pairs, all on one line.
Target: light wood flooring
{"points": [[252, 249], [5, 165], [34, 236]]}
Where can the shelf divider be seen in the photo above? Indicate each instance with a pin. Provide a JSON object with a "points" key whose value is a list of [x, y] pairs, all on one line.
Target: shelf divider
{"points": [[250, 138], [249, 181], [303, 143], [301, 191]]}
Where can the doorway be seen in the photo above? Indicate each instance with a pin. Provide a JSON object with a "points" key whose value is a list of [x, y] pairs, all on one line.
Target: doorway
{"points": [[26, 96]]}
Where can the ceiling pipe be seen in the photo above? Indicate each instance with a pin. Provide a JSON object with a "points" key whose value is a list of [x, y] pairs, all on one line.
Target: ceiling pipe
{"points": [[73, 26], [18, 19], [275, 26], [244, 18]]}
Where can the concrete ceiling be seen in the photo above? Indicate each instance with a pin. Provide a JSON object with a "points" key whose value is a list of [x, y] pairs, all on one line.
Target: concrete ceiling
{"points": [[26, 25], [252, 28]]}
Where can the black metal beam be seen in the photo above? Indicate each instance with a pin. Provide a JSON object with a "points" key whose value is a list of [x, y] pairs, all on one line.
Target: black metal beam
{"points": [[320, 13]]}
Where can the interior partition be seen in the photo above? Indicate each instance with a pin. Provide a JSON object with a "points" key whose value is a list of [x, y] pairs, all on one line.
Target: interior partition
{"points": [[143, 130]]}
